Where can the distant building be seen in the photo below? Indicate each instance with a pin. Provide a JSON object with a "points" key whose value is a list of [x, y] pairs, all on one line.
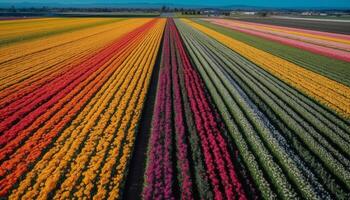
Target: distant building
{"points": [[210, 13], [306, 13], [249, 13], [242, 13]]}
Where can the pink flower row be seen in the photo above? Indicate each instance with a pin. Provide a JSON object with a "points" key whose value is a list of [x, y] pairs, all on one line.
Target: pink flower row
{"points": [[186, 183], [334, 35], [281, 38], [160, 176], [280, 32], [216, 152]]}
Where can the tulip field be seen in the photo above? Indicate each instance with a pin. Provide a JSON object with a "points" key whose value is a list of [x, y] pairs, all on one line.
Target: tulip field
{"points": [[327, 44], [162, 108]]}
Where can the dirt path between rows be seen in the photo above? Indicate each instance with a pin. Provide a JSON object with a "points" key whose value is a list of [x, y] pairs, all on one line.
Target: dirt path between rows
{"points": [[134, 182]]}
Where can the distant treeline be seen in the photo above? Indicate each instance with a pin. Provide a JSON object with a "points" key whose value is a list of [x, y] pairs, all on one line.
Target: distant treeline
{"points": [[113, 11], [78, 12], [98, 9], [49, 9], [105, 12]]}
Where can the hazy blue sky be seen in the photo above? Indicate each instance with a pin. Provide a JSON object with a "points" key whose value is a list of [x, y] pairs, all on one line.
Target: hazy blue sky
{"points": [[267, 3]]}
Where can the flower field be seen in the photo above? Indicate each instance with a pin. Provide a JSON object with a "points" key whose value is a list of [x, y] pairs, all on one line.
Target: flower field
{"points": [[239, 110], [329, 44], [78, 115], [182, 101]]}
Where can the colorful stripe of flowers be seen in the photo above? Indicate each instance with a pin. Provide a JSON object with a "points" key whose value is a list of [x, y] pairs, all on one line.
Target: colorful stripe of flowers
{"points": [[176, 72], [84, 113], [324, 90], [49, 108], [329, 48]]}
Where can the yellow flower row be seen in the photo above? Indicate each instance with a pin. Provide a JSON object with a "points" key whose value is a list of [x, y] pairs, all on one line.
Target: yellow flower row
{"points": [[18, 50], [22, 28], [128, 128], [66, 51], [13, 26], [94, 128], [107, 125], [33, 20], [329, 92]]}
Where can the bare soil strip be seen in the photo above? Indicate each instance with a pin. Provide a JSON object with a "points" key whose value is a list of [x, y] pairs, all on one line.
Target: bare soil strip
{"points": [[135, 178]]}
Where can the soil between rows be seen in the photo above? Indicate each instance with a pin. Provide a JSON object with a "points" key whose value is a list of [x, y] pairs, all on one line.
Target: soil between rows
{"points": [[137, 166]]}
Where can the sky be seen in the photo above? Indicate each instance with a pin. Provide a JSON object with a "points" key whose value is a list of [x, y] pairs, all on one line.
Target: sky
{"points": [[265, 3]]}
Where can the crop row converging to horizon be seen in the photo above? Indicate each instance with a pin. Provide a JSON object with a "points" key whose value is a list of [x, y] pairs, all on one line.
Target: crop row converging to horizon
{"points": [[154, 108]]}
